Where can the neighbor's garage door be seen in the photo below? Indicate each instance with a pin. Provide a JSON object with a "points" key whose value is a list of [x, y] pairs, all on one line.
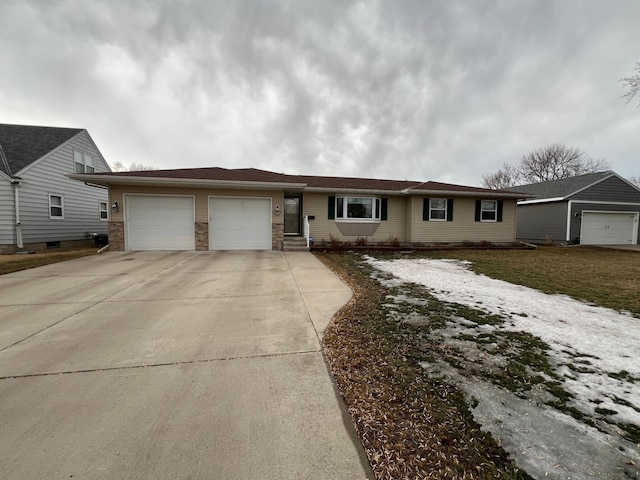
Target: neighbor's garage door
{"points": [[608, 228], [239, 223], [159, 222]]}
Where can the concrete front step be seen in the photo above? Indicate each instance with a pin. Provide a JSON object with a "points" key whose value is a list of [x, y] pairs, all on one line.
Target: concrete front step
{"points": [[295, 244]]}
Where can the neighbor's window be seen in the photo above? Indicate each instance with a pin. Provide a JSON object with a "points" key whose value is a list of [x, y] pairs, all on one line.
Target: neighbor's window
{"points": [[489, 211], [357, 208], [56, 206], [104, 211], [84, 163], [438, 209]]}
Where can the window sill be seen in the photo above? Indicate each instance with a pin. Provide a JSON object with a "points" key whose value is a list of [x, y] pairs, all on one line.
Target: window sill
{"points": [[356, 220]]}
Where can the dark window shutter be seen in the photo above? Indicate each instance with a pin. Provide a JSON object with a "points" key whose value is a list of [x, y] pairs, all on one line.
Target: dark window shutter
{"points": [[499, 218], [425, 209], [383, 209], [449, 209], [478, 207], [332, 208]]}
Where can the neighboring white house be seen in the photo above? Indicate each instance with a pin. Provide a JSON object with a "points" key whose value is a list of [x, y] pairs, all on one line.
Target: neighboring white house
{"points": [[40, 207]]}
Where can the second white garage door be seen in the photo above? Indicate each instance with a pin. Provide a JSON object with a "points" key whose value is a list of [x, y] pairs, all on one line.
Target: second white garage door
{"points": [[159, 222], [609, 228], [239, 223]]}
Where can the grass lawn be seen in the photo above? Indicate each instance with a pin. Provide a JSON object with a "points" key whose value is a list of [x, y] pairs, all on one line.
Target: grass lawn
{"points": [[19, 261], [416, 425]]}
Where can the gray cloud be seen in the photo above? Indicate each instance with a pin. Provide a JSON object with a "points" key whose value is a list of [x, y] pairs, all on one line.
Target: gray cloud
{"points": [[421, 90]]}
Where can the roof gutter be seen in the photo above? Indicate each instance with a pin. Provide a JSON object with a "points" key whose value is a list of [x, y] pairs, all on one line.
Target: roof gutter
{"points": [[458, 193], [542, 200], [353, 190], [108, 180]]}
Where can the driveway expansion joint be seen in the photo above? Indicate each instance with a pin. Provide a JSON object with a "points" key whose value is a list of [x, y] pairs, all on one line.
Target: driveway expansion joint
{"points": [[166, 364]]}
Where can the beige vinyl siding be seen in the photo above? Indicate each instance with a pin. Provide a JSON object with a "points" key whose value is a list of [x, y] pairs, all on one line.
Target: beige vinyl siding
{"points": [[321, 228], [7, 213], [81, 202], [463, 227], [201, 198]]}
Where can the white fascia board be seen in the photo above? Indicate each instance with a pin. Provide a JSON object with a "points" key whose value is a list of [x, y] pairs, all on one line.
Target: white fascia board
{"points": [[542, 200], [454, 193], [108, 180], [351, 191], [594, 202]]}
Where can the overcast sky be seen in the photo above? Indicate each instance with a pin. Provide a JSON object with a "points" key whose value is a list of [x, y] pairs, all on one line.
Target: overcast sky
{"points": [[419, 90]]}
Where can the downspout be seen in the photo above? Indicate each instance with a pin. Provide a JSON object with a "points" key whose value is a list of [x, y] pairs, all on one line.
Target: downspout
{"points": [[569, 218], [16, 183]]}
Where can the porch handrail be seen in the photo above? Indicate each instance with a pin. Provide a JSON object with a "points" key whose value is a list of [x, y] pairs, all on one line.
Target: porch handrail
{"points": [[306, 229]]}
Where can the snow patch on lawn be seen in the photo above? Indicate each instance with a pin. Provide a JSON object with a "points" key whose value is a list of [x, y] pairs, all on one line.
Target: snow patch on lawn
{"points": [[594, 351], [604, 341]]}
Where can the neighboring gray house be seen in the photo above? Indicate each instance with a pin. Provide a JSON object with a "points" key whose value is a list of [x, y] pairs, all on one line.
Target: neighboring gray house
{"points": [[40, 207], [594, 209]]}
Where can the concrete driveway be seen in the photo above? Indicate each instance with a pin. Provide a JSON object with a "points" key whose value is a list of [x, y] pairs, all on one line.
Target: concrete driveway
{"points": [[181, 365]]}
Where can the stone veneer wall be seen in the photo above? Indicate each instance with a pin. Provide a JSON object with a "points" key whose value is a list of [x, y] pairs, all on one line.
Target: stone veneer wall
{"points": [[277, 236], [202, 236], [116, 236]]}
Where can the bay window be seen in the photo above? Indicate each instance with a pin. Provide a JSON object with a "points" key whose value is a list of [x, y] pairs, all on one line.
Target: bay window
{"points": [[358, 208]]}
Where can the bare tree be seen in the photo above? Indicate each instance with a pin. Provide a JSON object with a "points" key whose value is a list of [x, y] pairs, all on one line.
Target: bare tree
{"points": [[506, 177], [557, 161], [551, 162], [635, 180], [632, 84], [118, 166]]}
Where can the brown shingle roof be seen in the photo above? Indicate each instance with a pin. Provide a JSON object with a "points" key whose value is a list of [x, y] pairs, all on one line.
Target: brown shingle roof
{"points": [[311, 182]]}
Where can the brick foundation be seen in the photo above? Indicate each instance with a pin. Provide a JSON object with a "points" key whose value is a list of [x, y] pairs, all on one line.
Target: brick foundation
{"points": [[277, 236], [202, 236], [116, 236]]}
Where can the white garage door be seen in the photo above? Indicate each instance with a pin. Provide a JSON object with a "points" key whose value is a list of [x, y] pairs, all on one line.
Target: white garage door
{"points": [[159, 222], [239, 223], [608, 228]]}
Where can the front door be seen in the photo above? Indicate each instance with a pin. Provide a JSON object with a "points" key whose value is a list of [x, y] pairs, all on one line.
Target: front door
{"points": [[292, 215]]}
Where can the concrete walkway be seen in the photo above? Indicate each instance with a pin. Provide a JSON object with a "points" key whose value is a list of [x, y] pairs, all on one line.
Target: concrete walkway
{"points": [[178, 365]]}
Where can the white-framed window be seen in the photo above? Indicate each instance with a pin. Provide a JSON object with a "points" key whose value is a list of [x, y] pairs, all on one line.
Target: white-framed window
{"points": [[358, 209], [489, 211], [83, 162], [56, 206], [104, 211], [438, 209]]}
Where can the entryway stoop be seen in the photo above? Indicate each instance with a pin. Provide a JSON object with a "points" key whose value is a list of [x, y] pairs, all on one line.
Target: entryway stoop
{"points": [[295, 244]]}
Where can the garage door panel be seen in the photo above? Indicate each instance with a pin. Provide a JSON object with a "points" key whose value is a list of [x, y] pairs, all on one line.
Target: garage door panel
{"points": [[160, 223], [608, 228], [240, 223]]}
